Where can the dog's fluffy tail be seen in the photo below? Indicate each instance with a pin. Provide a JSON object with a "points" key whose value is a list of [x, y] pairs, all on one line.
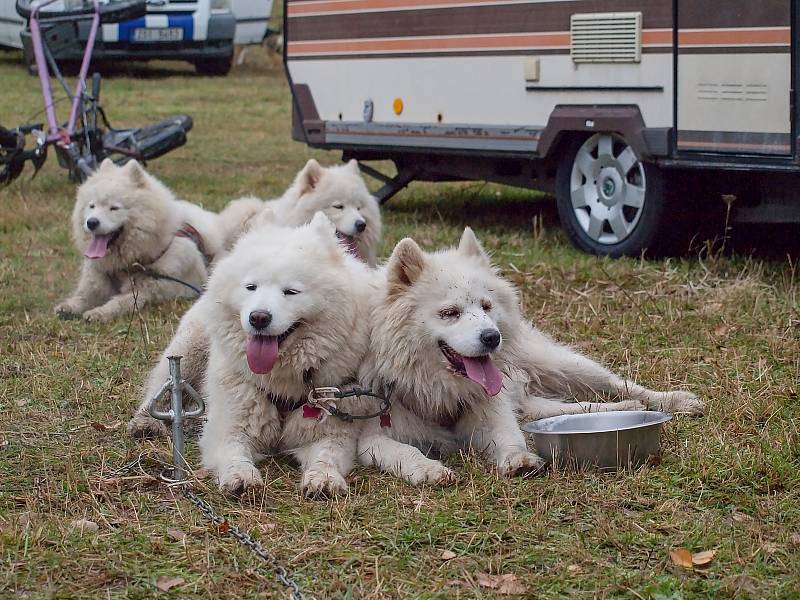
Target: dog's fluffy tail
{"points": [[236, 216]]}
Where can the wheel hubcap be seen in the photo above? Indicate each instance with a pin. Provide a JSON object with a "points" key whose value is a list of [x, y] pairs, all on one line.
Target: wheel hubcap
{"points": [[607, 188]]}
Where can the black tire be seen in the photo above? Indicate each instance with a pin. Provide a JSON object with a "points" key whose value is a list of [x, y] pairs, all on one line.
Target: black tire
{"points": [[154, 140], [651, 228], [214, 67]]}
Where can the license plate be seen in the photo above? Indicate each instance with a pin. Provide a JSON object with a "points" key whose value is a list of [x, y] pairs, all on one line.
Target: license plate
{"points": [[158, 34]]}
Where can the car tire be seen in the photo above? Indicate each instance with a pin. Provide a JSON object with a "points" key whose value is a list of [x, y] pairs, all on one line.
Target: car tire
{"points": [[610, 202], [214, 67]]}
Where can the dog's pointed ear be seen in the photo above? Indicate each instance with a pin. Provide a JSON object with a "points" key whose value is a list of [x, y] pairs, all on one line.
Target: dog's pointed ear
{"points": [[309, 177], [352, 164], [470, 246], [106, 165], [405, 266], [135, 173]]}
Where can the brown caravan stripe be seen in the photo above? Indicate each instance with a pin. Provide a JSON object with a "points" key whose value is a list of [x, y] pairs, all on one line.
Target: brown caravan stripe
{"points": [[542, 17], [735, 37], [318, 7], [692, 13], [740, 40], [428, 44]]}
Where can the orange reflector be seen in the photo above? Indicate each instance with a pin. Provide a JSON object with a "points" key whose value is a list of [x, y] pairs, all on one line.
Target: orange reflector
{"points": [[397, 105]]}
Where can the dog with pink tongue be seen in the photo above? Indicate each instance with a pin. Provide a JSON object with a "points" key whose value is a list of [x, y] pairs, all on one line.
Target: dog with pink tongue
{"points": [[287, 307], [450, 345], [129, 226]]}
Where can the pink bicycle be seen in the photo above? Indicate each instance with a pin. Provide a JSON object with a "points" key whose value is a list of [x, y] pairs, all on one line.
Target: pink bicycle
{"points": [[87, 138]]}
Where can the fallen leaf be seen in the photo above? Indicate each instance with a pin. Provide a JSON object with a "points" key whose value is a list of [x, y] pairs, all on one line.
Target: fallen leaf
{"points": [[20, 402], [741, 517], [85, 525], [176, 534], [448, 555], [721, 330], [682, 557], [506, 585], [573, 569], [105, 427], [222, 528], [795, 539], [701, 559], [165, 583]]}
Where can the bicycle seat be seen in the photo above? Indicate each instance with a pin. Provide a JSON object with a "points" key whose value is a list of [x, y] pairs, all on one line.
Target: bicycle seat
{"points": [[111, 11]]}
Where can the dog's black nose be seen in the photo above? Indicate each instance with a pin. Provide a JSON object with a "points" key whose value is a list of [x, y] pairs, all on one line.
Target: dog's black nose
{"points": [[361, 225], [260, 319], [490, 338], [92, 223]]}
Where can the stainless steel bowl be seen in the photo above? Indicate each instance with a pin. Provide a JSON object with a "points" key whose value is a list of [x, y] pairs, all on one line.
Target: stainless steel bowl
{"points": [[608, 440]]}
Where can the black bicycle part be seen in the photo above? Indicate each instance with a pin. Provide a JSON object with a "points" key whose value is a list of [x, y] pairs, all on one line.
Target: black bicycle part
{"points": [[13, 155], [147, 143]]}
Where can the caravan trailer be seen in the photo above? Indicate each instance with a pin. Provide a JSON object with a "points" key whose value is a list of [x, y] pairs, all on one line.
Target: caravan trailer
{"points": [[634, 113]]}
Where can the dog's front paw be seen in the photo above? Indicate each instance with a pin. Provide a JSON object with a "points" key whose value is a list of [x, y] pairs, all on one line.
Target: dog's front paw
{"points": [[98, 315], [431, 472], [67, 310], [239, 478], [519, 463], [323, 484], [143, 426], [679, 401]]}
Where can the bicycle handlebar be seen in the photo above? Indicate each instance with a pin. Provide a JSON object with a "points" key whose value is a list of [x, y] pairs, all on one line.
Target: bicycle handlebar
{"points": [[112, 11]]}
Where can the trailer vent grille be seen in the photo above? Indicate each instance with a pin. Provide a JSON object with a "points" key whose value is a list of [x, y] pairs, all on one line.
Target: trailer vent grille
{"points": [[606, 37]]}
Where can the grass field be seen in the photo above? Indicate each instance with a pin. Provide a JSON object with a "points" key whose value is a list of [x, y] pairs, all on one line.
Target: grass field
{"points": [[723, 326]]}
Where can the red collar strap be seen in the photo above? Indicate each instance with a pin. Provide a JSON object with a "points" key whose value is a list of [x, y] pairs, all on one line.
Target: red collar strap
{"points": [[188, 231]]}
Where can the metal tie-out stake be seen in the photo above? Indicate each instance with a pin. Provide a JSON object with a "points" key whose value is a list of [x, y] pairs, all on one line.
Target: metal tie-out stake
{"points": [[175, 415]]}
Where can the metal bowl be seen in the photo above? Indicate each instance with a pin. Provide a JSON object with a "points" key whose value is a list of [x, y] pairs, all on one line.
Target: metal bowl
{"points": [[608, 440]]}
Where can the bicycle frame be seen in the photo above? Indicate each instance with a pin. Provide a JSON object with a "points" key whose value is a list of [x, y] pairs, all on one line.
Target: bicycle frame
{"points": [[57, 134]]}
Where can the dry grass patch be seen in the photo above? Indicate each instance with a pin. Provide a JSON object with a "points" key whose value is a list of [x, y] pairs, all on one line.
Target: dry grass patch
{"points": [[725, 327]]}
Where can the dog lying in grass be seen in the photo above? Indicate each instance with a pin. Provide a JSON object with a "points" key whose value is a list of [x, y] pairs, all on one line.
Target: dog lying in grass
{"points": [[450, 345], [131, 229], [337, 191], [283, 309]]}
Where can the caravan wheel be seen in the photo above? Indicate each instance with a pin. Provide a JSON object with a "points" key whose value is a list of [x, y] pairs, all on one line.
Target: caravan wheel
{"points": [[609, 201]]}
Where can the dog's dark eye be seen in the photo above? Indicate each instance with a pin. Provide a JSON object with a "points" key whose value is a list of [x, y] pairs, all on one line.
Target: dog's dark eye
{"points": [[486, 305], [91, 206], [290, 292], [251, 287], [114, 208], [451, 312], [338, 206]]}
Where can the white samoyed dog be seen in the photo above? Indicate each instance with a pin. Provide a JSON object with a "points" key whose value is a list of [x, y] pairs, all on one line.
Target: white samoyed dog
{"points": [[131, 229], [339, 192], [451, 347], [286, 307]]}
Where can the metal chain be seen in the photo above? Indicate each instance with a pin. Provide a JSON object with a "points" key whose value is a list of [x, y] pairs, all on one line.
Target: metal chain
{"points": [[248, 542]]}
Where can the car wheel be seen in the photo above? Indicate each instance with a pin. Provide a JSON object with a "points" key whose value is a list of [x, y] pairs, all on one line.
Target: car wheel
{"points": [[215, 67], [609, 201]]}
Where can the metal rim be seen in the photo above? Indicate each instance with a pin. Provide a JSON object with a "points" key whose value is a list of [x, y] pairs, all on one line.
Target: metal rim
{"points": [[607, 188], [657, 418]]}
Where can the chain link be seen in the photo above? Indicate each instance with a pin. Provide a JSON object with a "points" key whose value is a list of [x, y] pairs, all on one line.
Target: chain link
{"points": [[248, 542]]}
